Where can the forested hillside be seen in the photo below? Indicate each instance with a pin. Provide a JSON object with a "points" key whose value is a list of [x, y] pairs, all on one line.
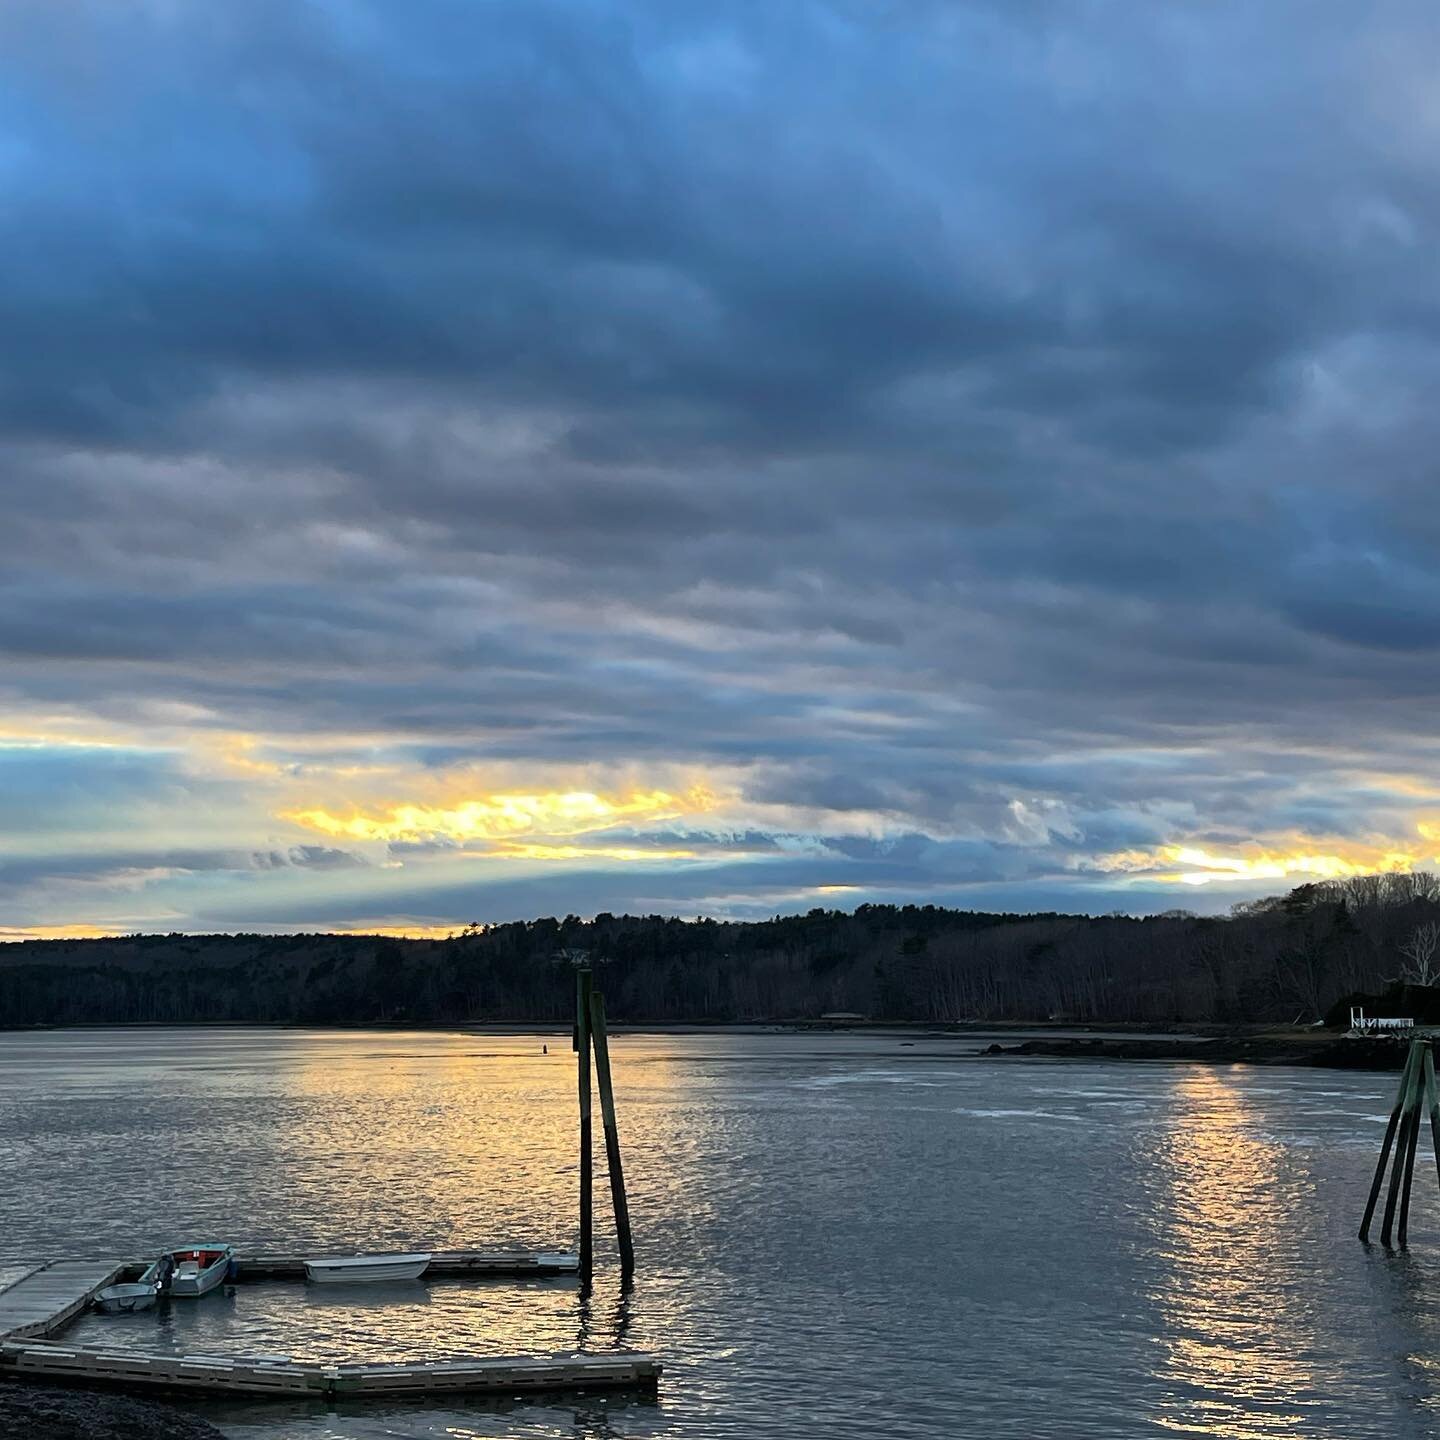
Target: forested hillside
{"points": [[1288, 958]]}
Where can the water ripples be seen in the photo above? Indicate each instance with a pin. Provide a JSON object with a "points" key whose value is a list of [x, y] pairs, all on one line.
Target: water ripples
{"points": [[835, 1235]]}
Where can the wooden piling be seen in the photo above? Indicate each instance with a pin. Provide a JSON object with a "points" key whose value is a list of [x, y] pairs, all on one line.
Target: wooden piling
{"points": [[583, 982], [1404, 1139], [1404, 1228], [1432, 1104], [612, 1133], [1385, 1144]]}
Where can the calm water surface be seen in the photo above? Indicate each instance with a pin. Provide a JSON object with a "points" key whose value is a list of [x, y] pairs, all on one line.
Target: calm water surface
{"points": [[836, 1233]]}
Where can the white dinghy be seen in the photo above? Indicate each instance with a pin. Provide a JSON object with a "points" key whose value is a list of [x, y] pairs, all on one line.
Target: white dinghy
{"points": [[366, 1269], [137, 1288]]}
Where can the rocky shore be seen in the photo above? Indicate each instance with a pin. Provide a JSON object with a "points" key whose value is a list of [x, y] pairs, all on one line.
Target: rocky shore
{"points": [[1324, 1049], [45, 1412]]}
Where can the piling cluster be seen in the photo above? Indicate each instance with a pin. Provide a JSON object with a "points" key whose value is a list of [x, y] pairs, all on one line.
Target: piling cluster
{"points": [[1417, 1088], [590, 1032]]}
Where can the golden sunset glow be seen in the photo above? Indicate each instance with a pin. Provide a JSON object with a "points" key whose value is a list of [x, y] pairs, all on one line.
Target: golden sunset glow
{"points": [[237, 753], [60, 932], [503, 817], [399, 929], [1267, 865], [520, 850], [1195, 865]]}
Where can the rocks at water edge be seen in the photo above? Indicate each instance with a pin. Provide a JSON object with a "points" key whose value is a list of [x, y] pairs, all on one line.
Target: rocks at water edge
{"points": [[1306, 1047], [45, 1412]]}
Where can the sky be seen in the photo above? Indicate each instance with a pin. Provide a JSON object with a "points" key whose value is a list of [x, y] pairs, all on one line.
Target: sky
{"points": [[477, 459]]}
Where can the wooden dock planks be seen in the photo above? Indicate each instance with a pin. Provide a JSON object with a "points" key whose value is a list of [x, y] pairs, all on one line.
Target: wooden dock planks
{"points": [[131, 1369], [509, 1373], [278, 1375], [510, 1263], [49, 1297]]}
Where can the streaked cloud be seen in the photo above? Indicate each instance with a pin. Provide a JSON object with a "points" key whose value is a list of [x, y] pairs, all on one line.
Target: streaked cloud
{"points": [[1253, 861], [711, 461], [504, 817]]}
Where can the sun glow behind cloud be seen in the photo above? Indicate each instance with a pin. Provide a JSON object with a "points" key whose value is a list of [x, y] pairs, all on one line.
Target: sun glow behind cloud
{"points": [[621, 854], [375, 592], [1197, 865], [10, 933], [409, 840], [502, 818]]}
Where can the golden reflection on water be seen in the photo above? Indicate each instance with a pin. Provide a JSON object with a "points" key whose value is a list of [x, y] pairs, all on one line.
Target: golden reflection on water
{"points": [[829, 1236], [398, 1142], [431, 1142], [1233, 1364]]}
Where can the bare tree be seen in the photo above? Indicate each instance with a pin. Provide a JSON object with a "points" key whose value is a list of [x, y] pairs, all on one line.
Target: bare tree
{"points": [[1420, 967]]}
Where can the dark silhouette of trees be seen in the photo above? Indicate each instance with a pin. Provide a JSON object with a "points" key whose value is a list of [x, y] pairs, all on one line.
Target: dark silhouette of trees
{"points": [[1289, 957]]}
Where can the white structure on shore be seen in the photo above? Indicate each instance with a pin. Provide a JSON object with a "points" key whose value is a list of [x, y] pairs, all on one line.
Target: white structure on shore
{"points": [[1363, 1024]]}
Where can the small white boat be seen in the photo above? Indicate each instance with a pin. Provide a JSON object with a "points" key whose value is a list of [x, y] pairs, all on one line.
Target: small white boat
{"points": [[126, 1298], [199, 1270], [138, 1288], [366, 1269]]}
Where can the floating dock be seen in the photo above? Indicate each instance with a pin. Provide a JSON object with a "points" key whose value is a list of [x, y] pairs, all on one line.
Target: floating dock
{"points": [[509, 1263], [279, 1375], [51, 1296], [43, 1302]]}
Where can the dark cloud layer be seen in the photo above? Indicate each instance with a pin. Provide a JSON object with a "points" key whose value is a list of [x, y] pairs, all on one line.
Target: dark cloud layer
{"points": [[916, 410]]}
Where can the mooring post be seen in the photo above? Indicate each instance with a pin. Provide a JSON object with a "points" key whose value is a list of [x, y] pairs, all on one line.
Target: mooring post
{"points": [[612, 1133], [582, 1046], [1432, 1103], [1385, 1144], [1404, 1230], [1403, 1141]]}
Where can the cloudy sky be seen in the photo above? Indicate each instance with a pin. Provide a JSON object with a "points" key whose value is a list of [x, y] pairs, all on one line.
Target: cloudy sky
{"points": [[474, 459]]}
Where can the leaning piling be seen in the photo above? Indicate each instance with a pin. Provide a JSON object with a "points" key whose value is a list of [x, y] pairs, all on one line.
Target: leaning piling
{"points": [[1417, 1091]]}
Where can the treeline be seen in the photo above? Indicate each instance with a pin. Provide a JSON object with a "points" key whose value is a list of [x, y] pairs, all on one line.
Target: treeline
{"points": [[1291, 957]]}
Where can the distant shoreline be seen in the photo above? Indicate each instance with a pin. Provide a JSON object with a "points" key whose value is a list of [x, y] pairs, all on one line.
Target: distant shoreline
{"points": [[1055, 1040], [938, 1029]]}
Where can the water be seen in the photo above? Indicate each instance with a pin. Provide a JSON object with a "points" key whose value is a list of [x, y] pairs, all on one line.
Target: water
{"points": [[837, 1234]]}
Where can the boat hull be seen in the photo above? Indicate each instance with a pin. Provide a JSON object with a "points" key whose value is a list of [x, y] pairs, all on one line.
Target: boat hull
{"points": [[126, 1299], [366, 1269], [188, 1287], [186, 1281]]}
